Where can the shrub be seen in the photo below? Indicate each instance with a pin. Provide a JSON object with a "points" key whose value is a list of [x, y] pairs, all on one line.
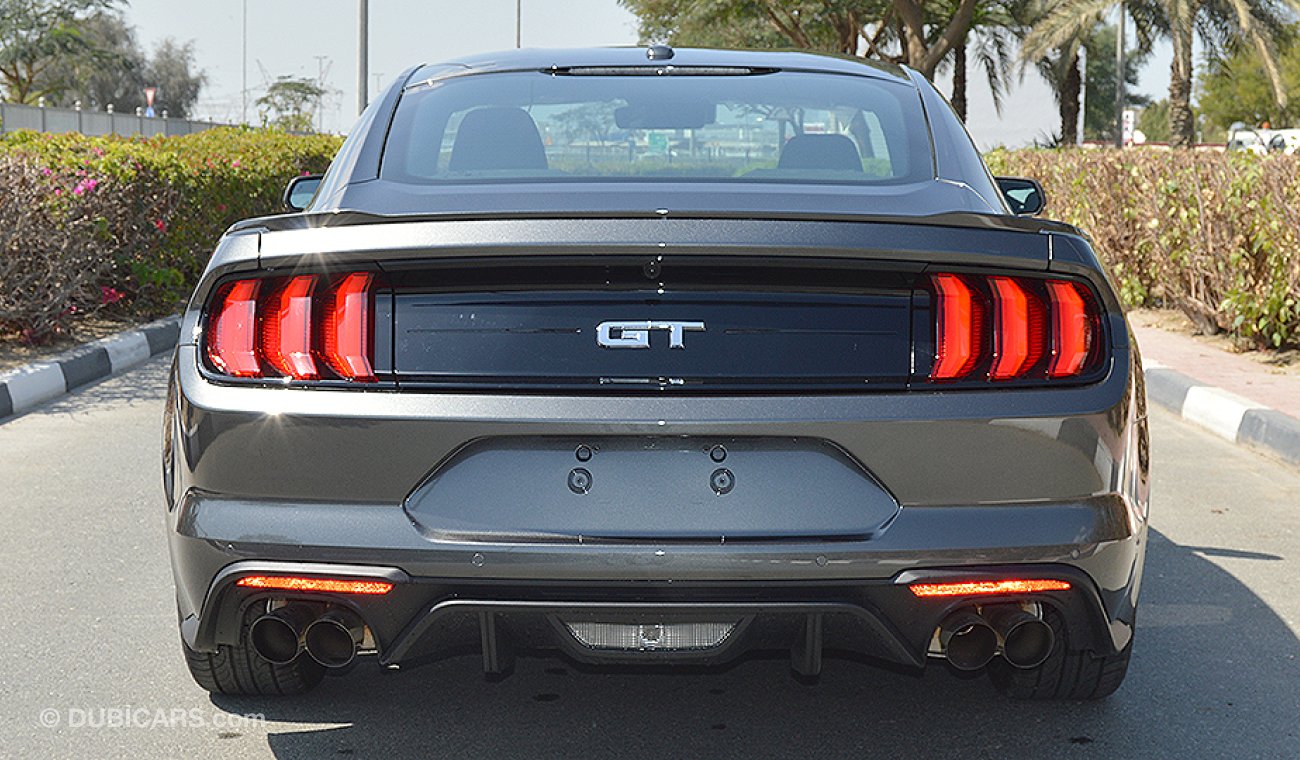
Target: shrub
{"points": [[164, 200], [1215, 235], [65, 236]]}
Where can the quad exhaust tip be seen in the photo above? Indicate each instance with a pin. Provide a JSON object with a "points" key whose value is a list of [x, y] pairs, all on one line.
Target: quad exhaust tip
{"points": [[277, 636], [1027, 639], [968, 641], [332, 638]]}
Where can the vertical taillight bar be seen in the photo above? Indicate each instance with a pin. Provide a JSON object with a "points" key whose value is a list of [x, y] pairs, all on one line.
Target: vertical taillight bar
{"points": [[1018, 329], [959, 328], [232, 337], [287, 330], [346, 328], [1071, 329]]}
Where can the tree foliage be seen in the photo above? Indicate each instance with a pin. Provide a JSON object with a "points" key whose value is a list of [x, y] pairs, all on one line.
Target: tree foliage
{"points": [[115, 70], [35, 35], [1238, 88], [920, 33], [1220, 25], [290, 103]]}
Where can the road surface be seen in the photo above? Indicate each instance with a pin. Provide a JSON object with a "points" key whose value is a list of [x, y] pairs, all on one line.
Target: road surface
{"points": [[91, 666]]}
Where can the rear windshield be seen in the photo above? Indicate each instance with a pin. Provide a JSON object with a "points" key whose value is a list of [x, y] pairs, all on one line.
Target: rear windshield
{"points": [[593, 125]]}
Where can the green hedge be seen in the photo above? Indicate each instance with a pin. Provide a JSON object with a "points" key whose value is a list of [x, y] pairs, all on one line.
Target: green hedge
{"points": [[150, 210], [1216, 235]]}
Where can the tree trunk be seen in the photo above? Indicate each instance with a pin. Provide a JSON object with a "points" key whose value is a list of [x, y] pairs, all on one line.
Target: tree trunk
{"points": [[1071, 85], [1182, 126], [959, 80]]}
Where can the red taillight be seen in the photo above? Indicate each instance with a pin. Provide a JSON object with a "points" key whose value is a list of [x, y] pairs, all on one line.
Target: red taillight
{"points": [[324, 585], [960, 325], [287, 330], [1018, 329], [987, 588], [1037, 329], [232, 340], [290, 326], [1071, 329], [346, 328]]}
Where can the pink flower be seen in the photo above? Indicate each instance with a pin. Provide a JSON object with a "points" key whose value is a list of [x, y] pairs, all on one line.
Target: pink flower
{"points": [[46, 171], [98, 151], [110, 295], [235, 163], [58, 191]]}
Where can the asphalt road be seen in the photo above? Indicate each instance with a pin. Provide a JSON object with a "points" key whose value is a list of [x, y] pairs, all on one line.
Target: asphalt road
{"points": [[91, 645]]}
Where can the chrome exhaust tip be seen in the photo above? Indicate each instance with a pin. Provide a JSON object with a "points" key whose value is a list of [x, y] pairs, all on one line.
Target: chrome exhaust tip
{"points": [[333, 638], [967, 640], [1027, 639], [277, 636]]}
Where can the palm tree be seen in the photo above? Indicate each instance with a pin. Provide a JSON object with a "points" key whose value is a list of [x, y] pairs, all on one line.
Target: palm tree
{"points": [[1220, 24], [989, 42]]}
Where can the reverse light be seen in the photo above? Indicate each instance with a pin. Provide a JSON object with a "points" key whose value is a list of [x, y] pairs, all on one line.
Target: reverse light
{"points": [[323, 585], [988, 588]]}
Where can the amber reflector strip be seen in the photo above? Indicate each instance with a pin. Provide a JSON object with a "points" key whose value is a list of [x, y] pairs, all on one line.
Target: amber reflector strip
{"points": [[326, 585], [979, 588]]}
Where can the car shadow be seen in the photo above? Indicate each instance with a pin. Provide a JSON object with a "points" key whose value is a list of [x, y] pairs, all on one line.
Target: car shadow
{"points": [[1214, 673]]}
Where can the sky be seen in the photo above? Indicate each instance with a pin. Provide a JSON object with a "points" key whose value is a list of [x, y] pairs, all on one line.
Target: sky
{"points": [[294, 37]]}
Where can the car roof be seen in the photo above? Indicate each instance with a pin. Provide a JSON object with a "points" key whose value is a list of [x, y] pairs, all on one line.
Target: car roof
{"points": [[547, 58]]}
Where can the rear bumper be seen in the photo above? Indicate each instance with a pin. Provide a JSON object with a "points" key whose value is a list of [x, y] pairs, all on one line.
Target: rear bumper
{"points": [[443, 589]]}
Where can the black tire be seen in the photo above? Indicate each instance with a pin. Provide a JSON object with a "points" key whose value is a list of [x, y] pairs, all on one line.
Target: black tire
{"points": [[1067, 674], [237, 670]]}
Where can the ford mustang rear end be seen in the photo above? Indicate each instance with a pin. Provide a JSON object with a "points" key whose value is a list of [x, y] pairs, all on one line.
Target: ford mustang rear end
{"points": [[650, 358]]}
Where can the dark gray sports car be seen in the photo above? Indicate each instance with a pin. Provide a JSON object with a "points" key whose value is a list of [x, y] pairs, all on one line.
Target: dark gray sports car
{"points": [[656, 356]]}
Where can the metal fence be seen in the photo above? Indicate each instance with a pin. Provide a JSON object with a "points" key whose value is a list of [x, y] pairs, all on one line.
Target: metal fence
{"points": [[14, 117]]}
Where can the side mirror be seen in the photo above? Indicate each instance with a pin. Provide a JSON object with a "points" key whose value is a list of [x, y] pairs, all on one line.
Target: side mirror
{"points": [[1024, 196], [300, 191]]}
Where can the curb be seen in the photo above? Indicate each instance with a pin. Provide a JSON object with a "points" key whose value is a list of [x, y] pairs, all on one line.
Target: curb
{"points": [[34, 384], [1225, 414]]}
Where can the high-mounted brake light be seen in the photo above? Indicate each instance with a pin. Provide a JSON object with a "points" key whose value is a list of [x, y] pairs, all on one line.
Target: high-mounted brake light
{"points": [[232, 343], [960, 323], [1071, 329], [324, 585], [988, 588], [287, 328], [294, 328], [1000, 328], [346, 328]]}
